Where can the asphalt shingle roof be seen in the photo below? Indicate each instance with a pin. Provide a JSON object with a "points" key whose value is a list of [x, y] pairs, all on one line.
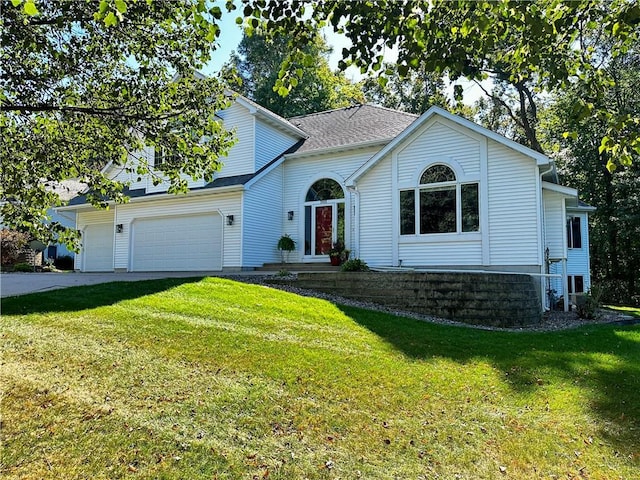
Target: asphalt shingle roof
{"points": [[350, 125]]}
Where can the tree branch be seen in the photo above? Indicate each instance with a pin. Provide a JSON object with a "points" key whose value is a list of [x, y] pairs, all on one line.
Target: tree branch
{"points": [[110, 111]]}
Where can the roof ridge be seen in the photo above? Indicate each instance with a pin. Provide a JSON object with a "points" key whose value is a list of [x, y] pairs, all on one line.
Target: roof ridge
{"points": [[327, 111], [359, 105]]}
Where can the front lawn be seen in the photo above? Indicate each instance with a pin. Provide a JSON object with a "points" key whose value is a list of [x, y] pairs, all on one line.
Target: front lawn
{"points": [[209, 378]]}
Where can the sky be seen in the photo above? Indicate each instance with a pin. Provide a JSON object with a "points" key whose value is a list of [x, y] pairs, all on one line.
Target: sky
{"points": [[231, 34]]}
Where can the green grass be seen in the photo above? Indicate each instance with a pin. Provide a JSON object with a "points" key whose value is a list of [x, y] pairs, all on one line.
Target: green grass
{"points": [[208, 378], [633, 311]]}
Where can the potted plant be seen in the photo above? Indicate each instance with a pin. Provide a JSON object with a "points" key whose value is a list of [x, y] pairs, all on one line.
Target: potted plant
{"points": [[286, 244], [336, 254]]}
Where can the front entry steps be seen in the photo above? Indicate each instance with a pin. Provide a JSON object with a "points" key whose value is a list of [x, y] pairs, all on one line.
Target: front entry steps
{"points": [[298, 267]]}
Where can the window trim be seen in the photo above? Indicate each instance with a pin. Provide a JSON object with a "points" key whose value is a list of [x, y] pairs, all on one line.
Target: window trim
{"points": [[570, 236], [460, 180]]}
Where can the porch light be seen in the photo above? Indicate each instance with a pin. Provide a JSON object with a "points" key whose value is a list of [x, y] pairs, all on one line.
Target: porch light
{"points": [[229, 219], [290, 215], [119, 228]]}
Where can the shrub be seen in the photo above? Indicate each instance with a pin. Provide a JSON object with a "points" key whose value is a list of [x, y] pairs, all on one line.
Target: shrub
{"points": [[286, 244], [283, 273], [64, 262], [587, 305], [22, 267], [12, 244], [355, 265]]}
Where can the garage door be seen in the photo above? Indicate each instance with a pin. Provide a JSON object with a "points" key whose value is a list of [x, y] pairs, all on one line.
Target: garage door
{"points": [[177, 243], [97, 243]]}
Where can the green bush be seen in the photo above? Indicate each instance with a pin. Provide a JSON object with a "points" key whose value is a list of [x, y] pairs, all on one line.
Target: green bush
{"points": [[587, 305], [12, 244], [22, 267], [355, 265]]}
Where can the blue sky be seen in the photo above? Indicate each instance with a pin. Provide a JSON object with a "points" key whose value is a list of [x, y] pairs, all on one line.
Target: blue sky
{"points": [[231, 34]]}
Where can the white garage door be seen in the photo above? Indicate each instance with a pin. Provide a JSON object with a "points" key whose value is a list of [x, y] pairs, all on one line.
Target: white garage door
{"points": [[177, 243], [97, 243]]}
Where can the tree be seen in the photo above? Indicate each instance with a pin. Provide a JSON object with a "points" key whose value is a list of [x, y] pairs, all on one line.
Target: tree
{"points": [[413, 93], [85, 84], [500, 110], [258, 63], [534, 46], [615, 225]]}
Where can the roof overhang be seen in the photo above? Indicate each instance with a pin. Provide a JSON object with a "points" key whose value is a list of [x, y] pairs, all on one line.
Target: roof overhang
{"points": [[159, 196], [566, 191], [581, 207], [270, 117], [340, 148]]}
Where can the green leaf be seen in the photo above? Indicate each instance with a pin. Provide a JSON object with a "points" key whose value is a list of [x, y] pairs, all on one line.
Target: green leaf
{"points": [[121, 6], [616, 28], [16, 2], [30, 8], [110, 20], [604, 144]]}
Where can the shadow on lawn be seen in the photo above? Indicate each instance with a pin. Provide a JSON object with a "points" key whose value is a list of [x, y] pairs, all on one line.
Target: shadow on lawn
{"points": [[603, 360], [86, 297]]}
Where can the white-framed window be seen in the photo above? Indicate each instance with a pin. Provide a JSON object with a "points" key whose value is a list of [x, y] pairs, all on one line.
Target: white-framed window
{"points": [[162, 155], [574, 232], [439, 204], [575, 283]]}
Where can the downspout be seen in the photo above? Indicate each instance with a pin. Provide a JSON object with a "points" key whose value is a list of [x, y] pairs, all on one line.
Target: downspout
{"points": [[543, 237], [355, 221]]}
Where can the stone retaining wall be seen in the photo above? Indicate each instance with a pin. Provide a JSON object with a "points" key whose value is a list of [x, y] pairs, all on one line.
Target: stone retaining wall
{"points": [[475, 298]]}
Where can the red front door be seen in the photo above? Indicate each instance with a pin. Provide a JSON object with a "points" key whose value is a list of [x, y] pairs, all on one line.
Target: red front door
{"points": [[324, 225]]}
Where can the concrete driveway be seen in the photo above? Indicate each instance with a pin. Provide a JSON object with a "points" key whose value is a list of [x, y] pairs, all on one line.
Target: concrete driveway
{"points": [[12, 284]]}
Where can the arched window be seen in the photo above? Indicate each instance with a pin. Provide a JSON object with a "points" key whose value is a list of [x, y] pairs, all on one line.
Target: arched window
{"points": [[439, 204], [324, 189], [324, 217]]}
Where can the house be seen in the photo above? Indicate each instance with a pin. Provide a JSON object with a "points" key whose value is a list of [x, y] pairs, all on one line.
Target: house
{"points": [[433, 192]]}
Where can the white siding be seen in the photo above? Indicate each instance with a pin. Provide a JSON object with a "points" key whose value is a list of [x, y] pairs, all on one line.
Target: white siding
{"points": [[513, 210], [263, 220], [376, 217], [133, 179], [554, 223], [300, 174], [94, 216], [270, 142], [224, 203], [240, 160], [452, 253], [437, 142]]}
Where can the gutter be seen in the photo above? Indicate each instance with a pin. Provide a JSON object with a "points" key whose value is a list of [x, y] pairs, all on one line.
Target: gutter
{"points": [[161, 196]]}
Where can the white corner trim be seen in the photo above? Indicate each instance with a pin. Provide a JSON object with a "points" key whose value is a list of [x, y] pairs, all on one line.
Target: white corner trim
{"points": [[484, 202]]}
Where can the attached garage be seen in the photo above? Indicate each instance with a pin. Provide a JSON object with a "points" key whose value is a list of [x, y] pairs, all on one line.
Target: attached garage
{"points": [[177, 243], [97, 241]]}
